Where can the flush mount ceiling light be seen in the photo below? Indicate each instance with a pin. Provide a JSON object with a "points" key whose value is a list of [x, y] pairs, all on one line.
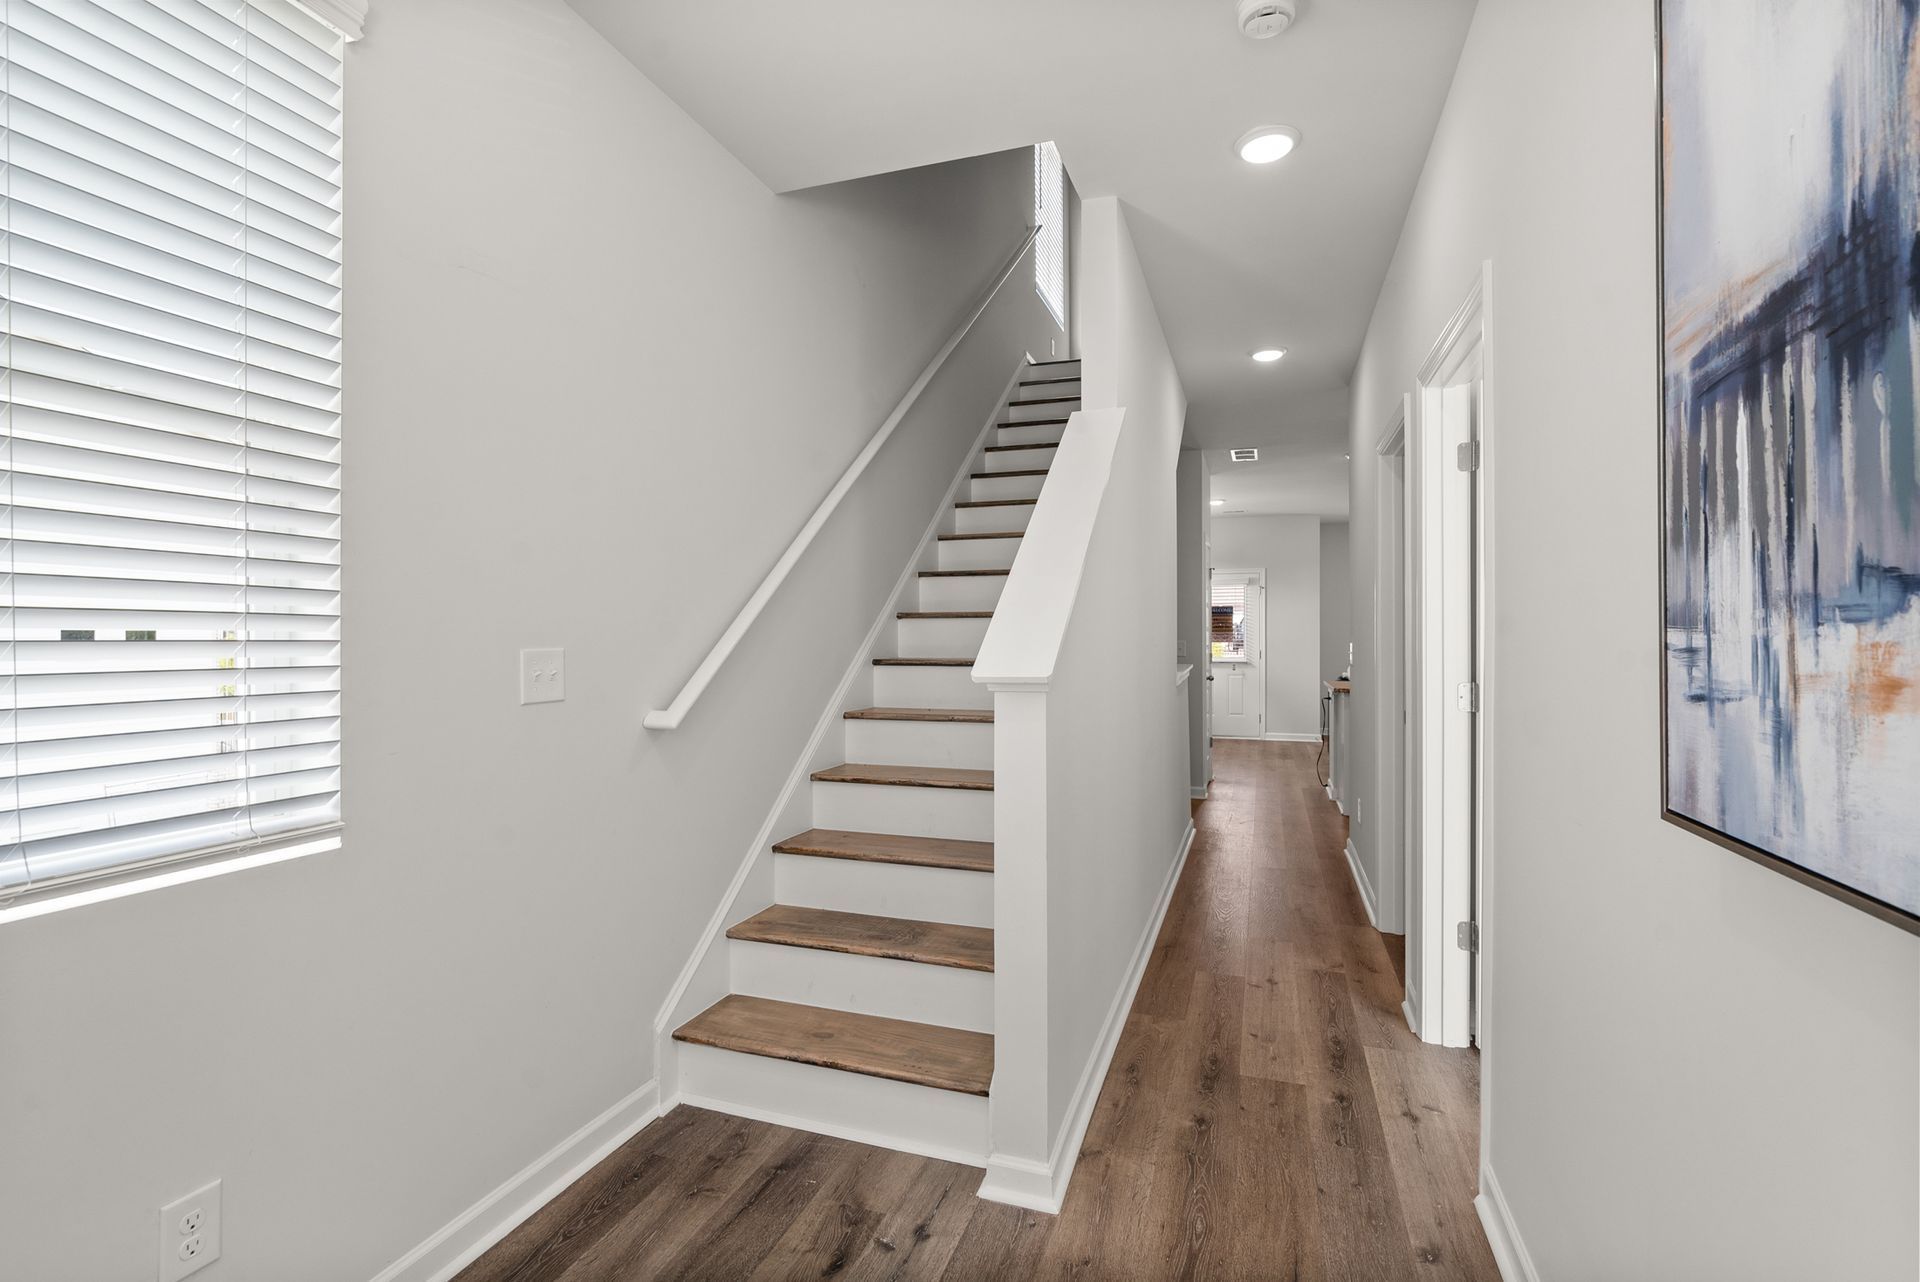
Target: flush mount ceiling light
{"points": [[1218, 502], [1267, 143], [1268, 355], [1244, 456]]}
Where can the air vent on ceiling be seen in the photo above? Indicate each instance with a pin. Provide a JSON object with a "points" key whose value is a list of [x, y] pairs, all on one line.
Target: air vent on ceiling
{"points": [[1244, 456]]}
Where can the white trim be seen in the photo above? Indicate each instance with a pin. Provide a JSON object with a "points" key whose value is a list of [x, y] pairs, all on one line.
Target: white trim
{"points": [[1025, 1183], [818, 1126], [670, 717], [1366, 887], [348, 17], [1503, 1235], [1292, 736], [118, 883], [463, 1239], [1199, 794], [665, 1021]]}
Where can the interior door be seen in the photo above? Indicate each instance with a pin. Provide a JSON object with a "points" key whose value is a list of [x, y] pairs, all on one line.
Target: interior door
{"points": [[1460, 681], [1237, 613]]}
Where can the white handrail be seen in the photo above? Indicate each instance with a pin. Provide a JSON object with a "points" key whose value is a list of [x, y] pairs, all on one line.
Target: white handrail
{"points": [[670, 717]]}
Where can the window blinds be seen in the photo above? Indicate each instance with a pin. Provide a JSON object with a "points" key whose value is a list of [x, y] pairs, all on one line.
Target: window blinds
{"points": [[1050, 216], [171, 433]]}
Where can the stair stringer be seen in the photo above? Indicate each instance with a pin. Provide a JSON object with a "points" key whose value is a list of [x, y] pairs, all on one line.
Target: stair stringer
{"points": [[706, 976]]}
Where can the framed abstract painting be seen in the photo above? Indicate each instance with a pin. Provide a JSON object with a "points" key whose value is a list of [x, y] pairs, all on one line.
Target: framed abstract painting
{"points": [[1790, 466]]}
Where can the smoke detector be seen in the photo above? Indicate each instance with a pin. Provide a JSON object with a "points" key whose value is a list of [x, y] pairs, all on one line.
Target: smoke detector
{"points": [[1265, 19]]}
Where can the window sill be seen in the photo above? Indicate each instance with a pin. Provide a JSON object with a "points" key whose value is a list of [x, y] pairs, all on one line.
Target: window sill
{"points": [[28, 903]]}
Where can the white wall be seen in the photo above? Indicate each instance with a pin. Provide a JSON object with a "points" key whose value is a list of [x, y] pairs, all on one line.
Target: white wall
{"points": [[1117, 727], [1696, 1070], [597, 377], [1288, 549], [1196, 521], [1336, 597]]}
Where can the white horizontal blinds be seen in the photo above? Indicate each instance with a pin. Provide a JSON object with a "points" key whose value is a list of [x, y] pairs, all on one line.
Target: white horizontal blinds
{"points": [[172, 431], [1228, 621], [1050, 216]]}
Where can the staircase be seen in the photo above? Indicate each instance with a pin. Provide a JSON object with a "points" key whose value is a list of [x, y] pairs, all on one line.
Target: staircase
{"points": [[861, 1002]]}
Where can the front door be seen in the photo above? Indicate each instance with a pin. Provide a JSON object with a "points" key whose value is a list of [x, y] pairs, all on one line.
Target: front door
{"points": [[1236, 615]]}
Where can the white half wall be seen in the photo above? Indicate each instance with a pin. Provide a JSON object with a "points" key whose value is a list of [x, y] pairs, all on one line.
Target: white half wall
{"points": [[597, 377], [1336, 598], [1288, 549], [1694, 1068]]}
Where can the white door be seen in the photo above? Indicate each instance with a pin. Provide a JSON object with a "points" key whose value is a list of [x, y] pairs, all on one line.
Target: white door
{"points": [[1460, 742], [1236, 615]]}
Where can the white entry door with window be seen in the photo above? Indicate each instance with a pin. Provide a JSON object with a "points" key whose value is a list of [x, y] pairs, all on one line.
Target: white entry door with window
{"points": [[1236, 644]]}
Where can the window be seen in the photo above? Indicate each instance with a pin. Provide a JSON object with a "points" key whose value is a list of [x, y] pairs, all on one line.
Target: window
{"points": [[1227, 631], [1050, 216], [170, 431]]}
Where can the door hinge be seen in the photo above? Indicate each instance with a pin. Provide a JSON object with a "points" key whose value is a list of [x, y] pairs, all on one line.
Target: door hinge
{"points": [[1467, 936], [1469, 696], [1467, 456]]}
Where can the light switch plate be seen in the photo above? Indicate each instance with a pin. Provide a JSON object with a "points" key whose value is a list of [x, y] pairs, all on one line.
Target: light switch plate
{"points": [[190, 1233], [543, 676]]}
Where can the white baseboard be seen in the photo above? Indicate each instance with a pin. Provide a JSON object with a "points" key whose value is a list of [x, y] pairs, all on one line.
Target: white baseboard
{"points": [[1290, 736], [1503, 1235], [1199, 794], [1025, 1183], [464, 1238], [1360, 880]]}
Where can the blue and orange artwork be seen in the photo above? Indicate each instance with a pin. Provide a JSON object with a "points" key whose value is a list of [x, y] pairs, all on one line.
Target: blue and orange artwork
{"points": [[1790, 239]]}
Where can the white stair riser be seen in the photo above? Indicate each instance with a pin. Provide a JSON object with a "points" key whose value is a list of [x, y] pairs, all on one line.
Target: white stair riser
{"points": [[1005, 487], [925, 994], [968, 592], [871, 1110], [1037, 434], [1070, 387], [978, 554], [967, 745], [1017, 413], [1018, 460], [884, 890], [963, 814], [896, 687], [981, 520], [940, 638]]}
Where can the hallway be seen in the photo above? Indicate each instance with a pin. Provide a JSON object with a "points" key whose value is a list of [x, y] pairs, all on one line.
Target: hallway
{"points": [[1267, 1116]]}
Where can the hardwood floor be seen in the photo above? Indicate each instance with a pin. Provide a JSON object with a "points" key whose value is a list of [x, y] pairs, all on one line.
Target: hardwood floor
{"points": [[1267, 1116]]}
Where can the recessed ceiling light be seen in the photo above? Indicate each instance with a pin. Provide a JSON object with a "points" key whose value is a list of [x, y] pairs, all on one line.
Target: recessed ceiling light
{"points": [[1267, 143], [1268, 355], [1218, 502], [1244, 455]]}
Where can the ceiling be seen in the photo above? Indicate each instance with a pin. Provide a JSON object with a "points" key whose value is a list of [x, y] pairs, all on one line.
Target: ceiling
{"points": [[1145, 99]]}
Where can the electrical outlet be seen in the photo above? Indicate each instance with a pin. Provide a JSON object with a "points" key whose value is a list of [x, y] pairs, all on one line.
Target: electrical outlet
{"points": [[543, 676], [190, 1233], [1181, 648]]}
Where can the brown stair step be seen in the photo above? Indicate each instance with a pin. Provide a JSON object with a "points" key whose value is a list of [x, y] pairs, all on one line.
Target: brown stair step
{"points": [[1032, 471], [908, 776], [1041, 382], [968, 716], [960, 574], [998, 503], [1034, 422], [996, 534], [949, 1059], [1069, 360], [923, 663], [944, 614], [891, 848], [934, 943], [1035, 445], [1047, 400]]}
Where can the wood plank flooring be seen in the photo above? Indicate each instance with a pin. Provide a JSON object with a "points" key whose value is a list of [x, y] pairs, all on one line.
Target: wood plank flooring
{"points": [[1267, 1116]]}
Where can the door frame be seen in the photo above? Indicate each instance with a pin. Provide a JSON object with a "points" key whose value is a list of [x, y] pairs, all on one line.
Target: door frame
{"points": [[1393, 540], [1257, 578], [1448, 988]]}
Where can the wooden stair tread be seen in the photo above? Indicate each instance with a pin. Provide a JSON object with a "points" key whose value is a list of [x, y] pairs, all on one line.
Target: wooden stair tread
{"points": [[950, 1059], [1046, 400], [891, 848], [908, 776], [1032, 471], [923, 663], [1071, 360], [998, 503], [1035, 445], [960, 574], [1034, 422], [944, 614], [1042, 382], [970, 716], [933, 943], [996, 534]]}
